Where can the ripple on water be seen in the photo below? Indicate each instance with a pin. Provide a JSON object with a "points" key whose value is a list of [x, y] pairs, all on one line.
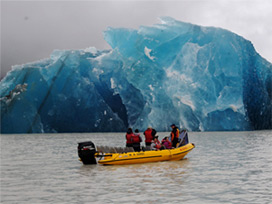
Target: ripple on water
{"points": [[225, 167]]}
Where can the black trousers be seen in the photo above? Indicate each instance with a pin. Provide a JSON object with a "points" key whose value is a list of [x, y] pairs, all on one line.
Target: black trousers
{"points": [[136, 147], [174, 142], [147, 143]]}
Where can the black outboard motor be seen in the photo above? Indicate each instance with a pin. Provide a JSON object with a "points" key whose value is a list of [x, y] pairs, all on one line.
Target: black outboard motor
{"points": [[86, 152]]}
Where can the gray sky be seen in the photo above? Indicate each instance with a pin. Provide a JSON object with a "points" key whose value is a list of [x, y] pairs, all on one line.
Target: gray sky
{"points": [[31, 30]]}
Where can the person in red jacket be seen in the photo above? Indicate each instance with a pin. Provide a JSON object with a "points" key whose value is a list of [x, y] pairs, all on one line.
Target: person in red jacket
{"points": [[149, 135], [156, 145], [136, 141], [166, 143], [129, 135]]}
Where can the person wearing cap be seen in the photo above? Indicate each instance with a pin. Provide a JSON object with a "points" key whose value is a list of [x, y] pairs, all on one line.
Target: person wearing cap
{"points": [[174, 135], [149, 135]]}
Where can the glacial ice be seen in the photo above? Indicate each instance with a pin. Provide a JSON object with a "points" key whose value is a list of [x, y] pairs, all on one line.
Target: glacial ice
{"points": [[200, 78]]}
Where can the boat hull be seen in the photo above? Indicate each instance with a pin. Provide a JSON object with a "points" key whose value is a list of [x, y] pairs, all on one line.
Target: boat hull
{"points": [[146, 156]]}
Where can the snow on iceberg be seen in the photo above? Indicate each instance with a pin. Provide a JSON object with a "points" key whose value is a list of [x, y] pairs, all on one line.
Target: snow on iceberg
{"points": [[201, 78]]}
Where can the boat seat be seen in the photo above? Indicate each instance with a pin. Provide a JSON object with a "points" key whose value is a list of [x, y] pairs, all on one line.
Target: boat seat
{"points": [[125, 149], [99, 148], [104, 149], [128, 149], [119, 149], [112, 150], [131, 149], [148, 148]]}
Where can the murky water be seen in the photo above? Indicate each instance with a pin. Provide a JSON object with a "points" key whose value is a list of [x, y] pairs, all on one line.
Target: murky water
{"points": [[225, 167]]}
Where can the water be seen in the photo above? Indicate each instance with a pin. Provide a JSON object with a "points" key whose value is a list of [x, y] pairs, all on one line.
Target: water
{"points": [[225, 167]]}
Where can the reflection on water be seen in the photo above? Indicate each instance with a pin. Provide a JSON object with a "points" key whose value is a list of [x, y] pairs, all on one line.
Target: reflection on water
{"points": [[170, 170], [225, 167], [142, 182]]}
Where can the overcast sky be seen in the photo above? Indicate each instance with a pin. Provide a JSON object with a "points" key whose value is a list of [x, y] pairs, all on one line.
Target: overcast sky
{"points": [[31, 30]]}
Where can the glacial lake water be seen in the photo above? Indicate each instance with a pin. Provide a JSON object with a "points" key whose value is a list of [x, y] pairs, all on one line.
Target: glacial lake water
{"points": [[225, 167]]}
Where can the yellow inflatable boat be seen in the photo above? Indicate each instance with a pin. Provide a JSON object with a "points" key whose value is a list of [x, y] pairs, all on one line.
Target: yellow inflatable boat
{"points": [[89, 154]]}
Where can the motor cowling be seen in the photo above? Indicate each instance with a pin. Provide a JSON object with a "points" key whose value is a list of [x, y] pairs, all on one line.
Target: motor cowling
{"points": [[86, 152]]}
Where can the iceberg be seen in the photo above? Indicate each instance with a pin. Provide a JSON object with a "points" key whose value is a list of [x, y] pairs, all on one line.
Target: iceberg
{"points": [[200, 78]]}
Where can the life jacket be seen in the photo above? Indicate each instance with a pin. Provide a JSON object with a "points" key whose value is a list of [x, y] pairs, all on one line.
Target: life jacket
{"points": [[175, 133], [167, 144], [157, 145], [148, 135], [135, 138], [129, 138]]}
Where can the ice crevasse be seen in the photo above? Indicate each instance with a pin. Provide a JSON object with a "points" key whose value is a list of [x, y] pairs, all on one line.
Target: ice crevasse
{"points": [[200, 78]]}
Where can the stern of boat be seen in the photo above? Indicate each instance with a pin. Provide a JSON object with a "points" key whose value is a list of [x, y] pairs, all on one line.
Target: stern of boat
{"points": [[86, 152]]}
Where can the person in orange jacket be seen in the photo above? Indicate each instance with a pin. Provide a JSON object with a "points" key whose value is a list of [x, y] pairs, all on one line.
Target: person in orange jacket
{"points": [[174, 135]]}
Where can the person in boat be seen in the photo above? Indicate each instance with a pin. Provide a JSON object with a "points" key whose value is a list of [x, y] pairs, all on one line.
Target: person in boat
{"points": [[174, 135], [166, 143], [156, 145], [129, 135], [136, 141], [149, 135]]}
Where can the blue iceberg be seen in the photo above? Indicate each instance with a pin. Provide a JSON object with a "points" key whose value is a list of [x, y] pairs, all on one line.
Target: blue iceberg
{"points": [[200, 78]]}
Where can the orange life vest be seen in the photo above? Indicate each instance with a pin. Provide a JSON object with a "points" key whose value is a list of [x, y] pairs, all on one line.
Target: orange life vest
{"points": [[157, 145], [148, 135], [135, 138], [129, 138], [175, 133]]}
